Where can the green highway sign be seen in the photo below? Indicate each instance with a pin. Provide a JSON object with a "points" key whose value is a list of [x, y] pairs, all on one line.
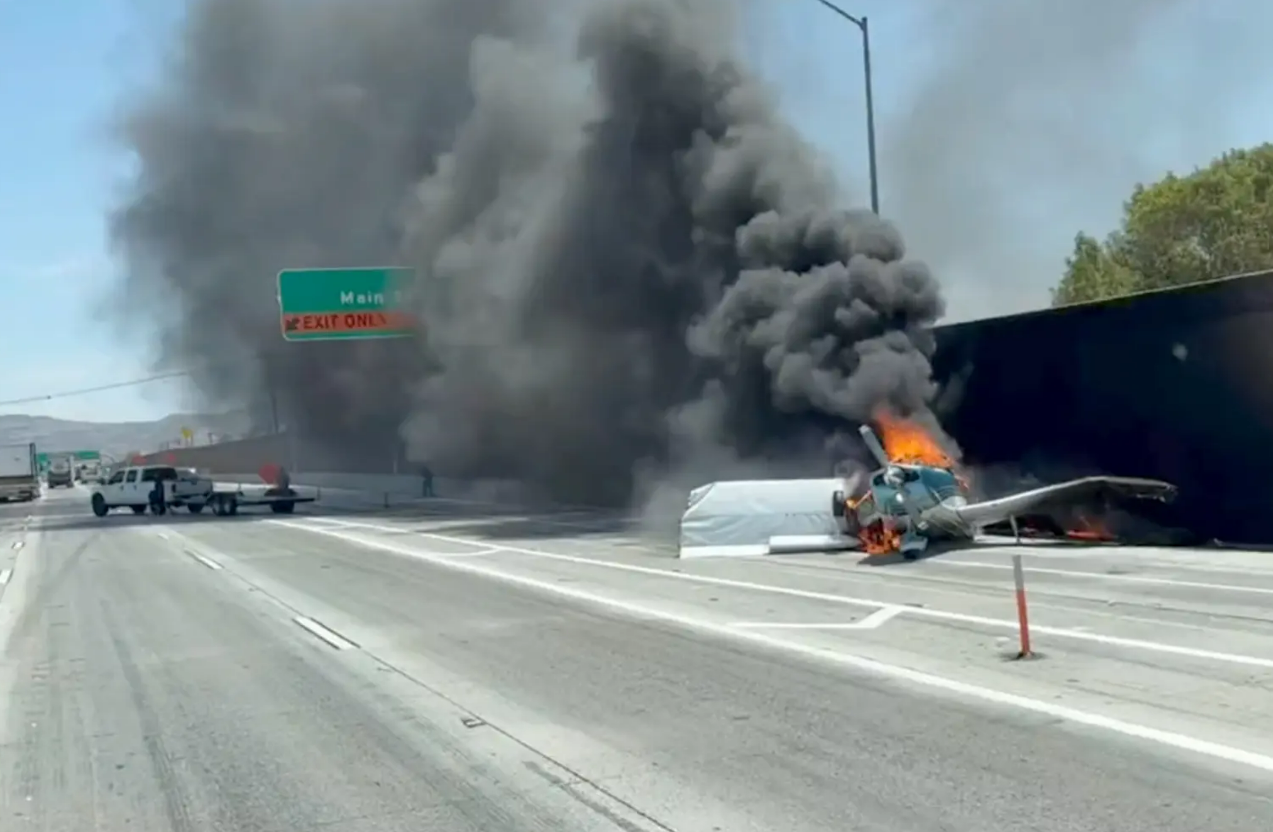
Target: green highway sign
{"points": [[340, 304], [42, 458]]}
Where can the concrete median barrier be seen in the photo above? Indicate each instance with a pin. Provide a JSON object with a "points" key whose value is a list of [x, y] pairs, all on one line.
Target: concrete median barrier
{"points": [[367, 491]]}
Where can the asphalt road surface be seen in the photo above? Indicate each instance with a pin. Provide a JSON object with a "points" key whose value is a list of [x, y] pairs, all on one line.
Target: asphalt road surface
{"points": [[447, 668]]}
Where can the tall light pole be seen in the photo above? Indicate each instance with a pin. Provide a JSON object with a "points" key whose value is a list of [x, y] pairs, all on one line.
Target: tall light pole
{"points": [[861, 23]]}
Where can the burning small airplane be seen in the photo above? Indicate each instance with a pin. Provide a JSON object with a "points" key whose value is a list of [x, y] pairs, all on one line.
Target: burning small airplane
{"points": [[916, 497]]}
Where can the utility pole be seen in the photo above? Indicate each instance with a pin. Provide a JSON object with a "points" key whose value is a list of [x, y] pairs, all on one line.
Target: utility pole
{"points": [[865, 29]]}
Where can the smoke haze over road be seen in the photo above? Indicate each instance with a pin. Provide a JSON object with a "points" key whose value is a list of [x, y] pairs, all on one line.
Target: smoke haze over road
{"points": [[629, 265]]}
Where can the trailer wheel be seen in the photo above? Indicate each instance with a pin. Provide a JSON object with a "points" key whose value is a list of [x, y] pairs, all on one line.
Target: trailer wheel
{"points": [[99, 505], [283, 507], [138, 509], [193, 508]]}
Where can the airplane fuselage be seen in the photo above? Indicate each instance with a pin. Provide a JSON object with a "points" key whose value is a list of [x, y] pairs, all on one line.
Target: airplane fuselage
{"points": [[907, 506]]}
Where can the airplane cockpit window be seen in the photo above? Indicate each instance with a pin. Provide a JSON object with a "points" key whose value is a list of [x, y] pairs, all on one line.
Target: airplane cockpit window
{"points": [[939, 481], [895, 476]]}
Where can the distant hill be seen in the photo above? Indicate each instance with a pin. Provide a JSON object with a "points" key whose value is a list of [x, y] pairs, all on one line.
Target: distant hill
{"points": [[117, 438]]}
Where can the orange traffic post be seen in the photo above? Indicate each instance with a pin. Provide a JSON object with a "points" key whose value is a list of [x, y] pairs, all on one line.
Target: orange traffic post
{"points": [[1023, 615]]}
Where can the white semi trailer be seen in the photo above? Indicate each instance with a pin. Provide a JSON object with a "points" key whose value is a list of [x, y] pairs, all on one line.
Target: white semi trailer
{"points": [[19, 473]]}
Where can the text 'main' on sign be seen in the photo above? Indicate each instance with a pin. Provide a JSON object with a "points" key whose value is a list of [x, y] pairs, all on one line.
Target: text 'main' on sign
{"points": [[338, 304]]}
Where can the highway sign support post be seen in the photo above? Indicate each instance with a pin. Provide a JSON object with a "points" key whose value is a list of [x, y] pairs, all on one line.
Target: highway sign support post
{"points": [[345, 304]]}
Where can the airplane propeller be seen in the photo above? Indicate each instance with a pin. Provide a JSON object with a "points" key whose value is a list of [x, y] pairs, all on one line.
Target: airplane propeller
{"points": [[873, 445], [877, 451]]}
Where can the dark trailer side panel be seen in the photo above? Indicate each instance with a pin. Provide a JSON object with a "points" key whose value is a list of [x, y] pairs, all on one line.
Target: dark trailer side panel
{"points": [[1174, 385]]}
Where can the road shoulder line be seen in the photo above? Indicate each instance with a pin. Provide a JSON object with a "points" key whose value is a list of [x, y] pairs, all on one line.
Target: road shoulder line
{"points": [[873, 667]]}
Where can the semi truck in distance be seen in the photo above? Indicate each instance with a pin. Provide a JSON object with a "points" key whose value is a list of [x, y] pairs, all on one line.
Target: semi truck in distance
{"points": [[61, 472], [19, 473]]}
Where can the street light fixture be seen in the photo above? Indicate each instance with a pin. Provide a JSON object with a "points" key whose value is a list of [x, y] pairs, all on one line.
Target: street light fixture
{"points": [[861, 23]]}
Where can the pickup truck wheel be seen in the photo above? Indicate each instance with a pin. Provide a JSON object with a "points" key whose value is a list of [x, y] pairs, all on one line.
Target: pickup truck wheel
{"points": [[99, 505], [138, 509], [194, 509]]}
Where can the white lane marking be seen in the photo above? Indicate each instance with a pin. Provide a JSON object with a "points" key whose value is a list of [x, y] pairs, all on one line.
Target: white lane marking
{"points": [[847, 600], [17, 544], [1097, 638], [583, 519], [1105, 576], [208, 562], [873, 621], [5, 575], [318, 630], [998, 697], [478, 554], [162, 535], [484, 551]]}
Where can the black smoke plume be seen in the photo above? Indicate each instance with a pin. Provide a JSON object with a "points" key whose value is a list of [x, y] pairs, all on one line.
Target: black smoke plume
{"points": [[628, 263]]}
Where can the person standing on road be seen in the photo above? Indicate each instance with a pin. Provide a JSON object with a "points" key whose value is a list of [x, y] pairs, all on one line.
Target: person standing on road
{"points": [[426, 484], [158, 500]]}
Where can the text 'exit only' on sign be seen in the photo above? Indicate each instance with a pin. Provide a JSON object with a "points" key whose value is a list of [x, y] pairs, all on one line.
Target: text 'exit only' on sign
{"points": [[311, 326], [331, 304]]}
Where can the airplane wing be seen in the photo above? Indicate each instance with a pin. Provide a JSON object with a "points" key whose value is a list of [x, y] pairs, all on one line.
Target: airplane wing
{"points": [[1080, 491]]}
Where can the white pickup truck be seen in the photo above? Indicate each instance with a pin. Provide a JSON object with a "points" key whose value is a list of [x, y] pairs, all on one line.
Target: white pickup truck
{"points": [[132, 487]]}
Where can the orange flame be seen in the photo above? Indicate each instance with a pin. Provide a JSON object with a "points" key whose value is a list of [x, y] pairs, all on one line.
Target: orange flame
{"points": [[908, 443], [880, 538], [1090, 529]]}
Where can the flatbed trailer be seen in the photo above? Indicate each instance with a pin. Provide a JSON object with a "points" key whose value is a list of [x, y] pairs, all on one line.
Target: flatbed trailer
{"points": [[226, 503]]}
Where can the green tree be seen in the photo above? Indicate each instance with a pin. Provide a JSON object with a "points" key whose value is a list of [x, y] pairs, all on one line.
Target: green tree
{"points": [[1215, 222], [1093, 271]]}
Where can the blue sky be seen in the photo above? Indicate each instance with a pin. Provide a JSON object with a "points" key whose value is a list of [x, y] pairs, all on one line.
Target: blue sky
{"points": [[64, 66]]}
